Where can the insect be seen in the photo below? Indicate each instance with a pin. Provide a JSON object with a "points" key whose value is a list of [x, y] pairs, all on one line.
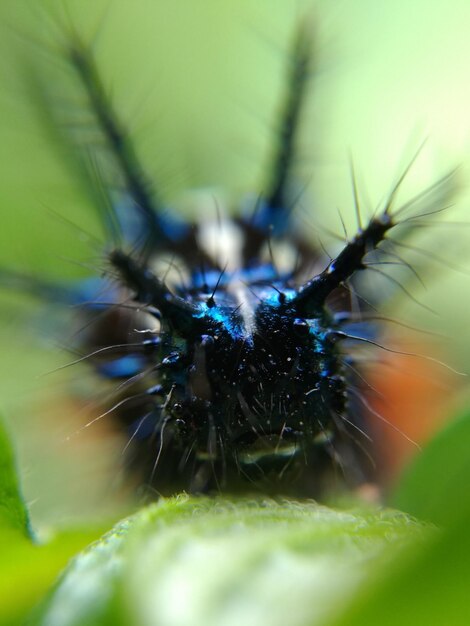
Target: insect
{"points": [[238, 366]]}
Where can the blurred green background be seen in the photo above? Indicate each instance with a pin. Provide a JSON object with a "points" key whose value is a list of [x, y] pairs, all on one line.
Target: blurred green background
{"points": [[199, 84]]}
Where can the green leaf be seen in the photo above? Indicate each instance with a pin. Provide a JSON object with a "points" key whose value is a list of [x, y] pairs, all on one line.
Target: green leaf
{"points": [[430, 585], [219, 561], [436, 486], [27, 570], [13, 512]]}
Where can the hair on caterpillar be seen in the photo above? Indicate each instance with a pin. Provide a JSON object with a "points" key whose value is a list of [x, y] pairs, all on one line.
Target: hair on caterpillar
{"points": [[224, 375]]}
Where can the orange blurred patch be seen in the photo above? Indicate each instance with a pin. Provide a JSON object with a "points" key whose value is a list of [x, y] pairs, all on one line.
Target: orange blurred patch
{"points": [[412, 398]]}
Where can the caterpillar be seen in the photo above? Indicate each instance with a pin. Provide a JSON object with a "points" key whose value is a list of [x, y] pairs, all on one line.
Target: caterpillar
{"points": [[233, 351]]}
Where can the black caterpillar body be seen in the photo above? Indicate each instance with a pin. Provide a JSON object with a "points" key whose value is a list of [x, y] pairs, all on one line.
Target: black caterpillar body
{"points": [[228, 377]]}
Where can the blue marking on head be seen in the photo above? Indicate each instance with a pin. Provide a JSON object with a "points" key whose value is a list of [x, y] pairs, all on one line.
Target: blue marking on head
{"points": [[124, 367], [365, 330], [271, 296], [142, 428], [270, 219], [134, 225], [223, 316], [209, 279], [173, 227], [92, 292]]}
